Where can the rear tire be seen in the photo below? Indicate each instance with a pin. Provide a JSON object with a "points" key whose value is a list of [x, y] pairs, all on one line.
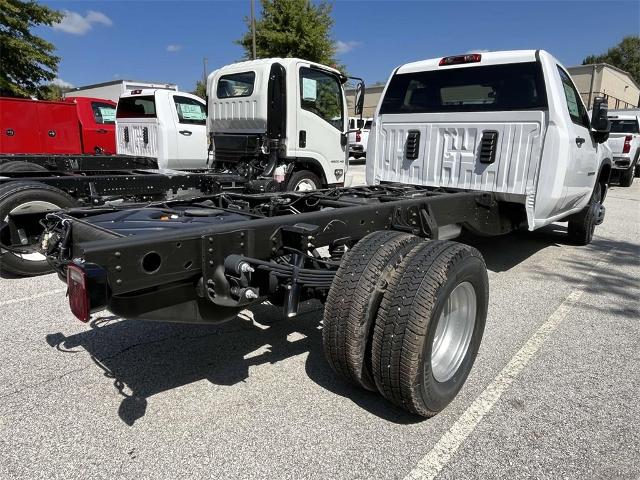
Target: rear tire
{"points": [[303, 181], [18, 166], [430, 325], [353, 301], [582, 225], [626, 177], [36, 197]]}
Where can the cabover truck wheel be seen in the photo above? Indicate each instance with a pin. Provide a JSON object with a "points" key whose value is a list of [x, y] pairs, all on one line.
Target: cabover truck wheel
{"points": [[627, 176], [17, 166], [353, 302], [17, 197], [583, 224], [303, 181], [429, 326]]}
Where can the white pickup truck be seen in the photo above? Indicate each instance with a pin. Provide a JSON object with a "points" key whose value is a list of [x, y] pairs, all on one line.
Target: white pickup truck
{"points": [[359, 136], [508, 122], [624, 141], [163, 124]]}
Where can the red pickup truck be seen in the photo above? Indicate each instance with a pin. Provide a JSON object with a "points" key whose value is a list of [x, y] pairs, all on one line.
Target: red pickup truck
{"points": [[72, 126]]}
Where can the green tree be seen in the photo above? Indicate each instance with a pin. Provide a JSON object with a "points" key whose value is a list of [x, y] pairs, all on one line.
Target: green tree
{"points": [[26, 60], [200, 90], [625, 55], [292, 28]]}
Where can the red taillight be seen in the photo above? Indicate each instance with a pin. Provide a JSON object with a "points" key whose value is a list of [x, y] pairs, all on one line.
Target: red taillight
{"points": [[358, 136], [77, 292], [458, 59], [626, 148]]}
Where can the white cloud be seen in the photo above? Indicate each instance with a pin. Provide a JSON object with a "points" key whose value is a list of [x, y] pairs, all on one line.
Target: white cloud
{"points": [[345, 47], [478, 51], [61, 83], [76, 24], [174, 48]]}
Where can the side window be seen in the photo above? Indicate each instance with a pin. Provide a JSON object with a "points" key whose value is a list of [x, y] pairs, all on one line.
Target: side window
{"points": [[190, 110], [577, 112], [103, 113], [321, 94]]}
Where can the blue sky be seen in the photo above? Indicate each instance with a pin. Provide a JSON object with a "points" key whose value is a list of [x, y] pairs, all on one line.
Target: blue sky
{"points": [[166, 40]]}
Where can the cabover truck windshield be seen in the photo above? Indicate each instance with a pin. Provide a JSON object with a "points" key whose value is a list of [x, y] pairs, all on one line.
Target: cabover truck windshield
{"points": [[405, 308]]}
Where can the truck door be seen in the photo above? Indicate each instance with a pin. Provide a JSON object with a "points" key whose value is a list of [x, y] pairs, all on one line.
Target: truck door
{"points": [[321, 120], [98, 132], [583, 164], [191, 132]]}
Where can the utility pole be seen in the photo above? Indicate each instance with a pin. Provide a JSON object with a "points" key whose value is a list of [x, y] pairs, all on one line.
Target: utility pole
{"points": [[253, 29], [204, 70]]}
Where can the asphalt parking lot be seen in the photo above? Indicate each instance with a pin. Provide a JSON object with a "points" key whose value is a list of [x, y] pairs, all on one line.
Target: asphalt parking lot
{"points": [[553, 394]]}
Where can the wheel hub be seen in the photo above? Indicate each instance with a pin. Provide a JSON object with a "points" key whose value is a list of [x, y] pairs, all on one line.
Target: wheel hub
{"points": [[453, 332]]}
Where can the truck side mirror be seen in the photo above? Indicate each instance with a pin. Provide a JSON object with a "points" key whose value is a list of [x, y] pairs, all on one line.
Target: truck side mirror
{"points": [[359, 103], [599, 120]]}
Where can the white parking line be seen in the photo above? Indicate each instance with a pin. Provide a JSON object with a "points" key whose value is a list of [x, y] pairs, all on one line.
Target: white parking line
{"points": [[37, 295], [429, 466]]}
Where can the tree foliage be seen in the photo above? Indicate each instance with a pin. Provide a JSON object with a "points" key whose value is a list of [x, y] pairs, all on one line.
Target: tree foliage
{"points": [[625, 55], [26, 60], [292, 28], [200, 90]]}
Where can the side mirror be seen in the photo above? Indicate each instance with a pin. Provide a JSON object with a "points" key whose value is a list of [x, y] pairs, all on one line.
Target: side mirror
{"points": [[599, 120], [359, 103]]}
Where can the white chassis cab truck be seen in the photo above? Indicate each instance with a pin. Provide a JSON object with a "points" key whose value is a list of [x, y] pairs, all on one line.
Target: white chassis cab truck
{"points": [[508, 122], [280, 122], [163, 124], [624, 141]]}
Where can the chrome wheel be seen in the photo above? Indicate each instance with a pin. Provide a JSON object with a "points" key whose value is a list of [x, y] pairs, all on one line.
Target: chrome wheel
{"points": [[305, 185], [34, 206], [453, 332]]}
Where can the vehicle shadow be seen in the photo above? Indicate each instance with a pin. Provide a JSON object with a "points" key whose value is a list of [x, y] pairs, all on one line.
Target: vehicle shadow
{"points": [[146, 358]]}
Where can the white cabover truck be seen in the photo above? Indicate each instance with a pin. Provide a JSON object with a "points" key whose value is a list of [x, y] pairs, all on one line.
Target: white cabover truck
{"points": [[510, 122], [281, 122], [624, 142]]}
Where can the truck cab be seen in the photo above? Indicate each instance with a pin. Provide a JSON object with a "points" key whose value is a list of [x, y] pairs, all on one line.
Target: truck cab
{"points": [[164, 124], [507, 122], [281, 122]]}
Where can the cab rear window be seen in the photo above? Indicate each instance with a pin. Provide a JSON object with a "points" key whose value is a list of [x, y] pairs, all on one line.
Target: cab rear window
{"points": [[136, 107], [516, 86], [624, 126], [236, 85]]}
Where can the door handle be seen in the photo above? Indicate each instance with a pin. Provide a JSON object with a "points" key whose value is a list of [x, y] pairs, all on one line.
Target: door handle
{"points": [[579, 141], [185, 132], [101, 130]]}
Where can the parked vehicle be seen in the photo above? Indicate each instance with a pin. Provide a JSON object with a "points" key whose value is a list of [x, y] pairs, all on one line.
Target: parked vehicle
{"points": [[279, 122], [71, 126], [359, 138], [512, 123], [167, 125], [405, 309], [624, 141]]}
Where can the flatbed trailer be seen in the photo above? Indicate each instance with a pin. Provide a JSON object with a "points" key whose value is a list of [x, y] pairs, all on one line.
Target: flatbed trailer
{"points": [[405, 310]]}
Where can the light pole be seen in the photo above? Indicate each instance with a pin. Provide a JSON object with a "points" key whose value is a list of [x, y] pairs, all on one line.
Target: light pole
{"points": [[253, 30]]}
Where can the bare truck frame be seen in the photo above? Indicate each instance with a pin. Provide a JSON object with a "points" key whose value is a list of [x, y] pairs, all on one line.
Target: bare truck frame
{"points": [[405, 310]]}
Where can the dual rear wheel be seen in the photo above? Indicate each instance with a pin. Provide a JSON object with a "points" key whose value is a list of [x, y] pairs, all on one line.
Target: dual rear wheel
{"points": [[405, 317]]}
